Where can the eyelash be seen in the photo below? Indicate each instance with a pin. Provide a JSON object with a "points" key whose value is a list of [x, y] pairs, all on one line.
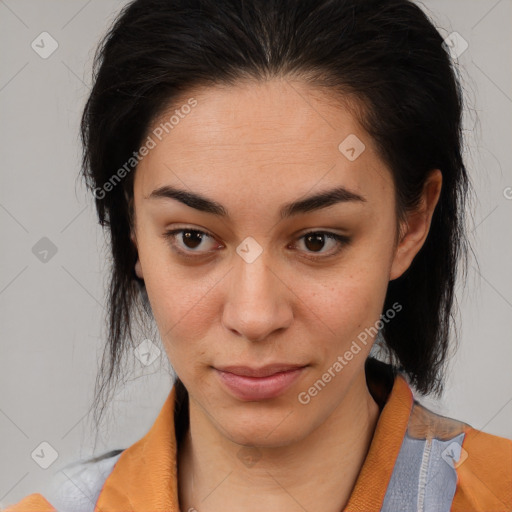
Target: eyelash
{"points": [[342, 241]]}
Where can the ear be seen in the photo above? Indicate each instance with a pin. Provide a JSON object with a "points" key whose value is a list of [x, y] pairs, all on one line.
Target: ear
{"points": [[417, 226], [138, 267]]}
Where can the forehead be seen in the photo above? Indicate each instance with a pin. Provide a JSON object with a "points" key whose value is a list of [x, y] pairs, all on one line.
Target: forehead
{"points": [[269, 137]]}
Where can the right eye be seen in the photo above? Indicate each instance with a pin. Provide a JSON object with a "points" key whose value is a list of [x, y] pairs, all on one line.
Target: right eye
{"points": [[184, 240]]}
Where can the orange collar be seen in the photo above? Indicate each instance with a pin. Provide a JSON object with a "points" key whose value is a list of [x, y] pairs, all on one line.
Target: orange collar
{"points": [[372, 482], [145, 476]]}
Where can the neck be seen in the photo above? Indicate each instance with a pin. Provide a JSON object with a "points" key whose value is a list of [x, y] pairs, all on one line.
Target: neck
{"points": [[316, 473]]}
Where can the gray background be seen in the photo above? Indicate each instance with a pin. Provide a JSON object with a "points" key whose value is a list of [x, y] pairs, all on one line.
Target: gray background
{"points": [[51, 323]]}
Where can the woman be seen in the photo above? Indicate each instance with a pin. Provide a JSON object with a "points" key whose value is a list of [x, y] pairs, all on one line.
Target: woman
{"points": [[283, 182]]}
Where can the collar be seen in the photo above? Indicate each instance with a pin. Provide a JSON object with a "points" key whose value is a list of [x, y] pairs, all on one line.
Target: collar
{"points": [[145, 476]]}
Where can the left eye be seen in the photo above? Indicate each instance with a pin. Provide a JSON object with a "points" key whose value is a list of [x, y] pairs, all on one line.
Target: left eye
{"points": [[314, 242]]}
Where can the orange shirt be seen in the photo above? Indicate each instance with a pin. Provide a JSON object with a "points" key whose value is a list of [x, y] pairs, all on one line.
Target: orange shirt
{"points": [[417, 461]]}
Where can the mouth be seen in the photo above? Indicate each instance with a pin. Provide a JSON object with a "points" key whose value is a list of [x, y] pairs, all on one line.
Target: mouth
{"points": [[254, 384], [264, 371]]}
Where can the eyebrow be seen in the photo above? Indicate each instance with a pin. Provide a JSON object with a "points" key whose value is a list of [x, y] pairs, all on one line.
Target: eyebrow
{"points": [[311, 203]]}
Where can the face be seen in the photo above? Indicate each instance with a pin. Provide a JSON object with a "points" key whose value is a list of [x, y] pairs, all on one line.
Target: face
{"points": [[244, 279]]}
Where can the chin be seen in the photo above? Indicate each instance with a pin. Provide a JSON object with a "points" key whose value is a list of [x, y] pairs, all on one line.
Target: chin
{"points": [[262, 429]]}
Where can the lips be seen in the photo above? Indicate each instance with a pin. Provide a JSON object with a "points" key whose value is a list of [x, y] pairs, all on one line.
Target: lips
{"points": [[255, 384], [265, 371]]}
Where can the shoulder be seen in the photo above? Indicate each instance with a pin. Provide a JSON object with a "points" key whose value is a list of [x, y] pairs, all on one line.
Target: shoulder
{"points": [[455, 465], [484, 471], [74, 488]]}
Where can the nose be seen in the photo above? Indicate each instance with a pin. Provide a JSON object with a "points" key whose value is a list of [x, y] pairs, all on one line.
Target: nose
{"points": [[258, 301]]}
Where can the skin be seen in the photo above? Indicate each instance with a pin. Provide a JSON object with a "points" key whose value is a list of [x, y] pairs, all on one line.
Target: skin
{"points": [[254, 147]]}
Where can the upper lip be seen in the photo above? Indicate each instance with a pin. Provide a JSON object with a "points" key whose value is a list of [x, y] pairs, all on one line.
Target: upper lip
{"points": [[264, 371]]}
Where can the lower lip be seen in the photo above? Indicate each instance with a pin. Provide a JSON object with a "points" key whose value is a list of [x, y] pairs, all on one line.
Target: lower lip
{"points": [[259, 388]]}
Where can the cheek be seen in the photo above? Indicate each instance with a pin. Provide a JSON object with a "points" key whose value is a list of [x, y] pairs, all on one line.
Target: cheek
{"points": [[181, 305], [353, 292], [345, 307], [351, 307], [181, 302]]}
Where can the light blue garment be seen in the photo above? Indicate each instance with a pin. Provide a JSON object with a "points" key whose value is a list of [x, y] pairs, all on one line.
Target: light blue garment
{"points": [[76, 487], [424, 478]]}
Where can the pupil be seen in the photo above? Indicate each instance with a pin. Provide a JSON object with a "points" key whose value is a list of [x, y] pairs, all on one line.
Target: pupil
{"points": [[191, 239], [317, 241]]}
